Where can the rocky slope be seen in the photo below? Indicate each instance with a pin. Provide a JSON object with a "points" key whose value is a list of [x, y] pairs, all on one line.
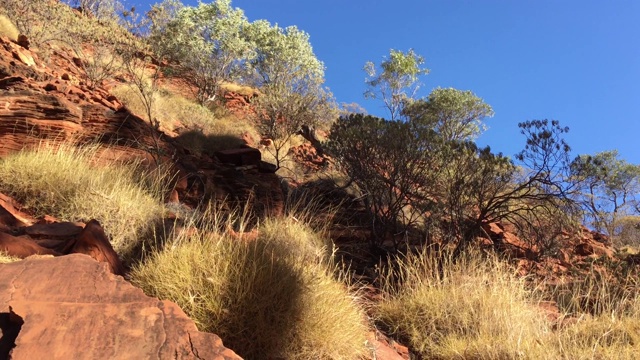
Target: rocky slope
{"points": [[67, 307]]}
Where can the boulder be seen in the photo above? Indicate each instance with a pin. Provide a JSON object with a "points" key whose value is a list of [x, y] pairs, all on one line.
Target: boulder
{"points": [[240, 157], [93, 241], [72, 307], [22, 246]]}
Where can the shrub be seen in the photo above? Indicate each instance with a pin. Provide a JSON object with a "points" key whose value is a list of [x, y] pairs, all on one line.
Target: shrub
{"points": [[64, 183], [265, 299], [472, 308]]}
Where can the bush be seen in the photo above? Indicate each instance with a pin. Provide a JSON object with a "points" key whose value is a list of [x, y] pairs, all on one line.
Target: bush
{"points": [[64, 183], [262, 297], [472, 308]]}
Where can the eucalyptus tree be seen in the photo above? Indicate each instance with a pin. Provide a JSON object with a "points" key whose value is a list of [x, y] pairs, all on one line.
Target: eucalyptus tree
{"points": [[291, 80], [207, 41], [454, 114], [609, 189], [397, 80]]}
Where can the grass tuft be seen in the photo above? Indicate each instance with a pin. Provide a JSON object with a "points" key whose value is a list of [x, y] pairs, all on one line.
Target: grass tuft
{"points": [[203, 130], [467, 309], [8, 29], [6, 258], [265, 296], [63, 183]]}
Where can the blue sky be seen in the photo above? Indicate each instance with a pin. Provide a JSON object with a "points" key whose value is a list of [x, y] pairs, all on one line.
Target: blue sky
{"points": [[574, 61]]}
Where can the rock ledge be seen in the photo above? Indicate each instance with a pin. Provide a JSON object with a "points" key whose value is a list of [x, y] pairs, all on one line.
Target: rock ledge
{"points": [[72, 307]]}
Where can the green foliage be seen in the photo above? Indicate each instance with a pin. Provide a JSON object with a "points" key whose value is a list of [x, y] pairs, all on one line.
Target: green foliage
{"points": [[207, 40], [291, 79], [414, 178], [609, 189], [101, 9], [397, 80], [387, 161], [454, 114]]}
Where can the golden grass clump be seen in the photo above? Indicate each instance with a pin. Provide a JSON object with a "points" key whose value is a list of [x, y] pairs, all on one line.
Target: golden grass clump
{"points": [[266, 298], [600, 337], [6, 258], [471, 308], [605, 313], [63, 182], [203, 131], [8, 29]]}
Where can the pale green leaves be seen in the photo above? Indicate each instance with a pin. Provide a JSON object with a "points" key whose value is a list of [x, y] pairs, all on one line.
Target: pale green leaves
{"points": [[454, 114], [397, 79], [283, 55], [208, 39]]}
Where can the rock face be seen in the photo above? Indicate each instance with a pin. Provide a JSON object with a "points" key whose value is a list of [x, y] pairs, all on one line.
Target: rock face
{"points": [[72, 307], [26, 237]]}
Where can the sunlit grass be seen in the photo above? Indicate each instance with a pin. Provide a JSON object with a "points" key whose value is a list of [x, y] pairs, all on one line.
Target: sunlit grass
{"points": [[64, 182], [271, 296]]}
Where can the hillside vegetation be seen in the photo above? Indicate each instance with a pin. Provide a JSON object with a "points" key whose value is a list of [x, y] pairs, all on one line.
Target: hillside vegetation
{"points": [[400, 225]]}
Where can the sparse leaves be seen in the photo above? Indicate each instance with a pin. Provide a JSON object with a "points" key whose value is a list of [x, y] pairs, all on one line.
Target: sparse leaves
{"points": [[397, 80]]}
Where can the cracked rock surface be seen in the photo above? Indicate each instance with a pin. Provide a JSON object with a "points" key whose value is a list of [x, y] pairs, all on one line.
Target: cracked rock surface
{"points": [[73, 307]]}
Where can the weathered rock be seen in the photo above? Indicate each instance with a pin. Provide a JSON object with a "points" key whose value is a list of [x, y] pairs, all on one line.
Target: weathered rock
{"points": [[240, 157], [23, 41], [22, 246], [58, 229], [93, 241], [24, 56], [74, 308], [384, 349]]}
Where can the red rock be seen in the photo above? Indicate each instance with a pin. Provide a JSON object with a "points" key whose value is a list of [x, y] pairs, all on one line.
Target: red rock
{"points": [[173, 197], [23, 41], [50, 87], [240, 157], [8, 221], [74, 308], [61, 229], [93, 241], [9, 205], [24, 56], [22, 246], [383, 349]]}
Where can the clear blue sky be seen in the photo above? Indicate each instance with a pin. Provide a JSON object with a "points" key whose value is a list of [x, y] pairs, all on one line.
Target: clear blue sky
{"points": [[570, 60]]}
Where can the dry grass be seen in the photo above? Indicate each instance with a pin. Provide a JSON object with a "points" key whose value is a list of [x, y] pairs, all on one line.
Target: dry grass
{"points": [[272, 297], [64, 183], [601, 337], [468, 309], [8, 29], [606, 315], [202, 130], [477, 308], [6, 258], [240, 89]]}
